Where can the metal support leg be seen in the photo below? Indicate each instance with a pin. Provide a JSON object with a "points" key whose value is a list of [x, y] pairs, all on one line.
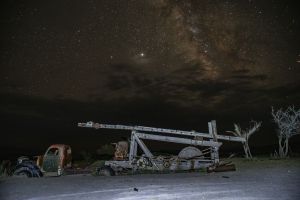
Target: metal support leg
{"points": [[145, 150], [212, 128], [143, 147], [216, 154], [133, 147]]}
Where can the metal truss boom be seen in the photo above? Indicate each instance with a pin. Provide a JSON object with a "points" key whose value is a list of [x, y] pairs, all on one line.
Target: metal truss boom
{"points": [[211, 135]]}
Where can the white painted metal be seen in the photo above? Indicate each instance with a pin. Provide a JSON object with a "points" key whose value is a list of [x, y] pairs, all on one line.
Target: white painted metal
{"points": [[161, 130], [215, 154], [133, 147], [142, 145], [214, 130], [177, 140], [142, 128]]}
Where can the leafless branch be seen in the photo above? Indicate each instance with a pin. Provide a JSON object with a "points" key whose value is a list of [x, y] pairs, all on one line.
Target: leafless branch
{"points": [[237, 130], [288, 121], [254, 126]]}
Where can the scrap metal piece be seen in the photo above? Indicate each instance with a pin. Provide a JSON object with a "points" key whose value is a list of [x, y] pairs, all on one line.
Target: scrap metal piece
{"points": [[144, 162], [121, 150], [224, 167]]}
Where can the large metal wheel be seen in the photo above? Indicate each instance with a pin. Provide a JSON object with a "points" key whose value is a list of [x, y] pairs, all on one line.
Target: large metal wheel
{"points": [[190, 152]]}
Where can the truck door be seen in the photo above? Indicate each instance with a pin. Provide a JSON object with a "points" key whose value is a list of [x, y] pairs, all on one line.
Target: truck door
{"points": [[51, 160]]}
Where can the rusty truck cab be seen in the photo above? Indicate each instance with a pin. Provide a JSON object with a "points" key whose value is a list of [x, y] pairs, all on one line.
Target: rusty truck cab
{"points": [[56, 158]]}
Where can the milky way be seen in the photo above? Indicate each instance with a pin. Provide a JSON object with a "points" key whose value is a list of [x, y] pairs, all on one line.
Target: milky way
{"points": [[160, 63], [201, 54]]}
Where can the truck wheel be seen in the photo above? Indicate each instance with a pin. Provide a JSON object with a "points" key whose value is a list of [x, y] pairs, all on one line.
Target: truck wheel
{"points": [[28, 169], [106, 171], [23, 172]]}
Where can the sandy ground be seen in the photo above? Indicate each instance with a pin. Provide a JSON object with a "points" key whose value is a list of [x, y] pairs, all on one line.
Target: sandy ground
{"points": [[261, 179]]}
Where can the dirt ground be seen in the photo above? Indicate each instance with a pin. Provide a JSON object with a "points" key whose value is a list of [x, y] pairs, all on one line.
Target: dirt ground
{"points": [[259, 179]]}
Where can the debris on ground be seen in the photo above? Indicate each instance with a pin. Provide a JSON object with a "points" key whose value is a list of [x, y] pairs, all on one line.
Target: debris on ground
{"points": [[222, 167], [5, 168]]}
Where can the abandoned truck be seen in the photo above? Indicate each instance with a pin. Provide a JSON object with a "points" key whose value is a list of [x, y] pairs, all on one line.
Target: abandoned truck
{"points": [[126, 155], [56, 159]]}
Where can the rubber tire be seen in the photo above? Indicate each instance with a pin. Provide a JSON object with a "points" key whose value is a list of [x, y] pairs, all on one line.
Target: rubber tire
{"points": [[29, 169], [107, 171], [23, 171]]}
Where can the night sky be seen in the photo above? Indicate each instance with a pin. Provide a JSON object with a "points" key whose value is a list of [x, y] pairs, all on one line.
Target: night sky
{"points": [[171, 64]]}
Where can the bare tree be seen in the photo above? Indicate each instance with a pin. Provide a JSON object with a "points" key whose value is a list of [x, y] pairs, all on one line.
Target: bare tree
{"points": [[288, 122], [254, 126]]}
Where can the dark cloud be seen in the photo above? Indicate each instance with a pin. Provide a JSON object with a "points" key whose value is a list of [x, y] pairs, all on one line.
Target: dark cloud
{"points": [[259, 77], [95, 52], [126, 78]]}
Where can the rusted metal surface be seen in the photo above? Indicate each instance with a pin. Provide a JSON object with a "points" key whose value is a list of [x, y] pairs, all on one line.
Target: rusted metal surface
{"points": [[56, 158], [222, 167], [39, 160], [121, 150]]}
